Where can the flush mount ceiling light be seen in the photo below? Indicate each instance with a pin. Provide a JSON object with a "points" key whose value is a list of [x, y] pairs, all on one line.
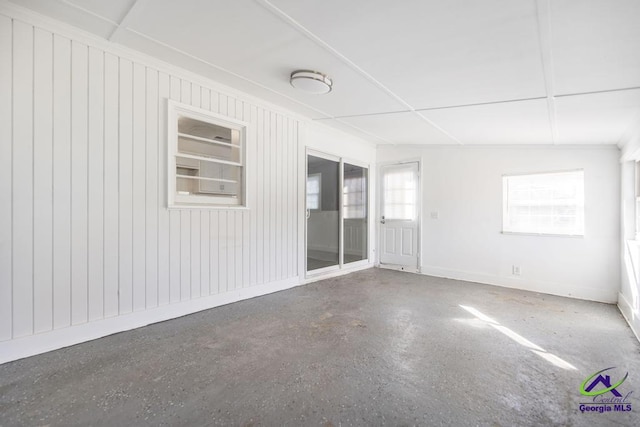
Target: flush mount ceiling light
{"points": [[311, 82]]}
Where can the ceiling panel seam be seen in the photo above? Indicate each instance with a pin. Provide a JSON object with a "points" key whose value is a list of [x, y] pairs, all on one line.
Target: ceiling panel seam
{"points": [[125, 19], [311, 36], [596, 92], [543, 20]]}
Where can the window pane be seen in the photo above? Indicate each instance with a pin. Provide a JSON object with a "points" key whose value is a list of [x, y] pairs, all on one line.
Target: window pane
{"points": [[354, 202], [187, 145], [551, 203], [399, 194], [313, 191], [208, 140]]}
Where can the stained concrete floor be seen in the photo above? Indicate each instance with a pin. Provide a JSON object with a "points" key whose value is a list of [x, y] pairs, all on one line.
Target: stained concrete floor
{"points": [[376, 347]]}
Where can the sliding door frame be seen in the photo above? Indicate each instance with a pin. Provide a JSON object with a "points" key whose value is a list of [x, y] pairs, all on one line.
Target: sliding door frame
{"points": [[341, 265]]}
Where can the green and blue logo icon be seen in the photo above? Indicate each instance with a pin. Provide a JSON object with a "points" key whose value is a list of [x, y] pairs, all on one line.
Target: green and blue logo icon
{"points": [[604, 380], [604, 393]]}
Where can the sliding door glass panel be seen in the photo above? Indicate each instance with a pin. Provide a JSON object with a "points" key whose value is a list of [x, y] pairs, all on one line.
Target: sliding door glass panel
{"points": [[355, 212], [323, 215]]}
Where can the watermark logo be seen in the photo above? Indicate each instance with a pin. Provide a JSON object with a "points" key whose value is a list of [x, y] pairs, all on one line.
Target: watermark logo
{"points": [[604, 393]]}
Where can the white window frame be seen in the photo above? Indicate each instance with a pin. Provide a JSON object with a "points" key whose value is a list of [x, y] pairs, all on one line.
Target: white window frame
{"points": [[505, 207], [176, 110]]}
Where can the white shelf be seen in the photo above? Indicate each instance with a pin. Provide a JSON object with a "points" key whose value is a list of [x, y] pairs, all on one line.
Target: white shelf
{"points": [[207, 159], [209, 140], [203, 178]]}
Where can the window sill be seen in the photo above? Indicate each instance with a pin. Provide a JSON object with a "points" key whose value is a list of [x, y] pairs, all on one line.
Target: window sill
{"points": [[207, 207], [519, 233]]}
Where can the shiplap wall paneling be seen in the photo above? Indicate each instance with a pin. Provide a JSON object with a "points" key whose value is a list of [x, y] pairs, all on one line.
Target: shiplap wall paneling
{"points": [[196, 273], [61, 182], [125, 187], [214, 250], [6, 171], [246, 215], [205, 221], [79, 173], [291, 192], [279, 149], [138, 190], [42, 187], [273, 198], [185, 221], [111, 159], [223, 232], [152, 211], [22, 179], [164, 267], [83, 156], [259, 210], [268, 213], [96, 185], [174, 221]]}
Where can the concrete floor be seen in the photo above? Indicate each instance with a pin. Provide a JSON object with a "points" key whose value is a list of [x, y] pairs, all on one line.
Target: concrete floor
{"points": [[372, 348]]}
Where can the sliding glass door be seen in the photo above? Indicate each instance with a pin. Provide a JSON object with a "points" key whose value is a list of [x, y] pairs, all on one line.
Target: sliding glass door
{"points": [[355, 212], [337, 212], [323, 213]]}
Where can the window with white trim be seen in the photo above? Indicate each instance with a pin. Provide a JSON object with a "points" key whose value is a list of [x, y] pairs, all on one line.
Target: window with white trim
{"points": [[206, 158], [314, 190], [544, 203]]}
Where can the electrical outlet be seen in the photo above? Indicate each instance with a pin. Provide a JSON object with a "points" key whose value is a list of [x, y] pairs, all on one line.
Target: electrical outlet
{"points": [[515, 270], [435, 215]]}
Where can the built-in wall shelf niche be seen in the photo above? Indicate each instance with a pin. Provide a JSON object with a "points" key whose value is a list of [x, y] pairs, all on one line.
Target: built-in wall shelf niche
{"points": [[206, 158]]}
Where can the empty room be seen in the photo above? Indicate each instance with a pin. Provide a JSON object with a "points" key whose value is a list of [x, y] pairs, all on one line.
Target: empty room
{"points": [[284, 212]]}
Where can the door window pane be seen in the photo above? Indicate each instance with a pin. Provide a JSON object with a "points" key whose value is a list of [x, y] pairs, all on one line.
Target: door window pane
{"points": [[399, 197]]}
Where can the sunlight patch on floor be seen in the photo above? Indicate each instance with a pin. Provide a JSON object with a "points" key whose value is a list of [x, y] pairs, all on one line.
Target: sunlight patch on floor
{"points": [[536, 349]]}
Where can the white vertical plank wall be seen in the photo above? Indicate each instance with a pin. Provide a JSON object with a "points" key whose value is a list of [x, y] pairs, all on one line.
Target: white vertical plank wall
{"points": [[6, 172], [87, 245]]}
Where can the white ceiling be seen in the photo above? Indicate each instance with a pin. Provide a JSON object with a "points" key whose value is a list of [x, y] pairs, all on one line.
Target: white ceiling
{"points": [[412, 72]]}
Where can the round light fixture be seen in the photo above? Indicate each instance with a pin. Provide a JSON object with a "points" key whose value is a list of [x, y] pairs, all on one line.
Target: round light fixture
{"points": [[311, 82]]}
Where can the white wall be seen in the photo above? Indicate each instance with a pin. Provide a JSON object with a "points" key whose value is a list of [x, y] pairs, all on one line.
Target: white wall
{"points": [[464, 185], [87, 245], [629, 296]]}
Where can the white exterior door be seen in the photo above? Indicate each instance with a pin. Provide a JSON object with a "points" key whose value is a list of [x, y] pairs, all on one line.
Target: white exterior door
{"points": [[399, 215]]}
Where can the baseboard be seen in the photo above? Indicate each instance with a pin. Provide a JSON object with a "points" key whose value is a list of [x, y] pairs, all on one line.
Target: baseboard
{"points": [[551, 288], [40, 343], [629, 314]]}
